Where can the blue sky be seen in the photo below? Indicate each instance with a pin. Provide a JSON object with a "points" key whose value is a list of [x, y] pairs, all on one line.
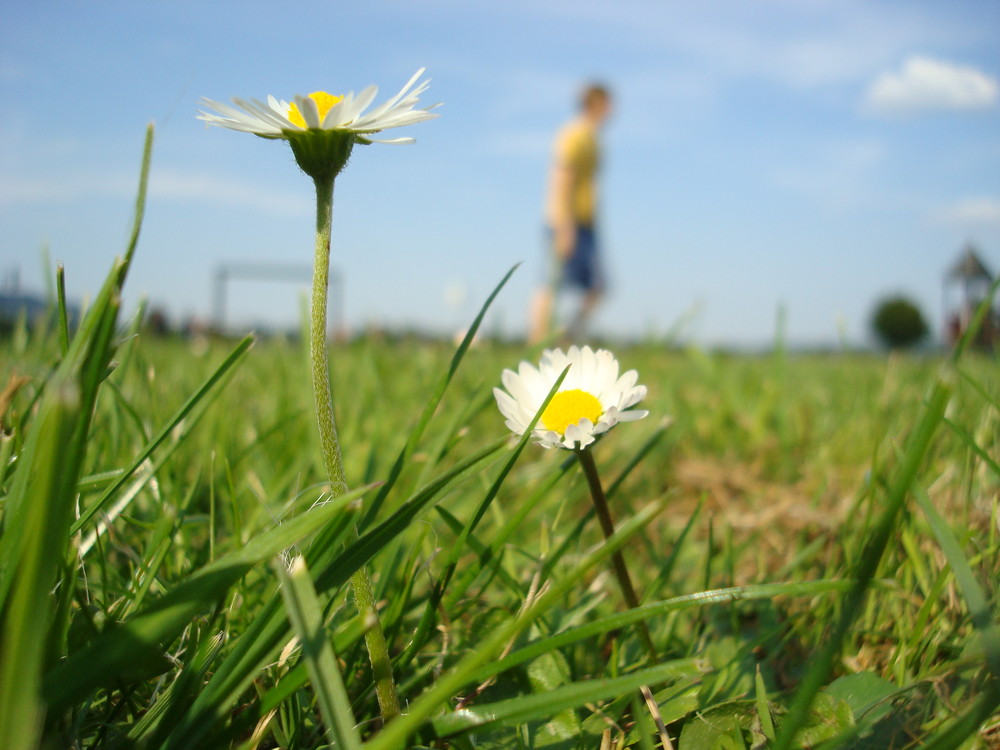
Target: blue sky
{"points": [[812, 155]]}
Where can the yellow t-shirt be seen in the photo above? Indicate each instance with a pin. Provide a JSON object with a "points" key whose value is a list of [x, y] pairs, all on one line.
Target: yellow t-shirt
{"points": [[578, 150]]}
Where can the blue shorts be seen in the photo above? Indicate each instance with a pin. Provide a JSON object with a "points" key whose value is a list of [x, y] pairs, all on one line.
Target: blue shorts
{"points": [[582, 269]]}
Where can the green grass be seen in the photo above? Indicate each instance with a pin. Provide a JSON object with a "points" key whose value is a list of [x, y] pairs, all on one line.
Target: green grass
{"points": [[815, 541]]}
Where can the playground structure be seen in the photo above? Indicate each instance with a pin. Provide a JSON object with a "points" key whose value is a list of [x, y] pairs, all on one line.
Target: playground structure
{"points": [[966, 285], [226, 273]]}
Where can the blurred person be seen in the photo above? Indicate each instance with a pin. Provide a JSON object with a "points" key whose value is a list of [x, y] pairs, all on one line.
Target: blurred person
{"points": [[571, 212]]}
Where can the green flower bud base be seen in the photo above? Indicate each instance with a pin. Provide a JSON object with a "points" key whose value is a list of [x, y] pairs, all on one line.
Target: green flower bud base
{"points": [[321, 154]]}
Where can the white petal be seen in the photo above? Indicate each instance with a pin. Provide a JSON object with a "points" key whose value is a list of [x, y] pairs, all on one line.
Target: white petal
{"points": [[223, 109], [350, 109], [338, 115], [554, 360], [234, 119], [607, 371], [627, 381], [537, 386], [573, 379], [397, 111], [611, 416], [402, 92], [516, 388], [308, 110], [267, 114], [516, 427], [632, 397], [548, 438], [632, 415], [506, 404], [576, 436], [366, 97], [396, 141], [588, 366]]}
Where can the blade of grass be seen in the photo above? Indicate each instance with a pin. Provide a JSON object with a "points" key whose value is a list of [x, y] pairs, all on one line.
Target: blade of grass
{"points": [[667, 568], [644, 450], [40, 534], [134, 650], [362, 550], [306, 616], [85, 363], [63, 318], [194, 400], [82, 369], [478, 547], [467, 575], [155, 725], [956, 733], [544, 705], [867, 567], [458, 547], [552, 560], [269, 629], [78, 377], [974, 446], [75, 384], [978, 387], [621, 620], [140, 204], [438, 695], [432, 404], [981, 613], [763, 706]]}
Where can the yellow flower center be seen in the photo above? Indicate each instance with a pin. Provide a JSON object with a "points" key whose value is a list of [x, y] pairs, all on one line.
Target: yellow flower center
{"points": [[569, 407], [324, 103]]}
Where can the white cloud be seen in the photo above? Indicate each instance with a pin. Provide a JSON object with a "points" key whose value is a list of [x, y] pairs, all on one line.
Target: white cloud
{"points": [[971, 211], [927, 84]]}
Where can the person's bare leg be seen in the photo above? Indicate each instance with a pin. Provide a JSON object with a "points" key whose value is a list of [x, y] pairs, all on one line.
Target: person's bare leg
{"points": [[578, 329], [541, 315]]}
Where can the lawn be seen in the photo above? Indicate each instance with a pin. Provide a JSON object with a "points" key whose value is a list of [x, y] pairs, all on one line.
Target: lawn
{"points": [[814, 542]]}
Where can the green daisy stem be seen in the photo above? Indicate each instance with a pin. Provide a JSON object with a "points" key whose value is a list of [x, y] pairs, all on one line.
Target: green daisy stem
{"points": [[319, 355], [378, 651], [586, 459]]}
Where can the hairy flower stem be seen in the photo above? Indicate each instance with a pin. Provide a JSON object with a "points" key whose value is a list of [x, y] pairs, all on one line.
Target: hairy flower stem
{"points": [[618, 561], [319, 356], [378, 651]]}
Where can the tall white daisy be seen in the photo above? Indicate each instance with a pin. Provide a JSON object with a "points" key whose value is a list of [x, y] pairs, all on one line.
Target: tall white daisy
{"points": [[319, 110], [323, 128], [591, 400]]}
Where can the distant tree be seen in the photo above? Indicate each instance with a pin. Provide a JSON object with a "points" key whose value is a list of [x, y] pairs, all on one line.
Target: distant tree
{"points": [[898, 323]]}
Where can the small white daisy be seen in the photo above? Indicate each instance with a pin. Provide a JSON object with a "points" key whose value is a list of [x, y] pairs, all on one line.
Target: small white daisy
{"points": [[590, 401], [322, 111]]}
